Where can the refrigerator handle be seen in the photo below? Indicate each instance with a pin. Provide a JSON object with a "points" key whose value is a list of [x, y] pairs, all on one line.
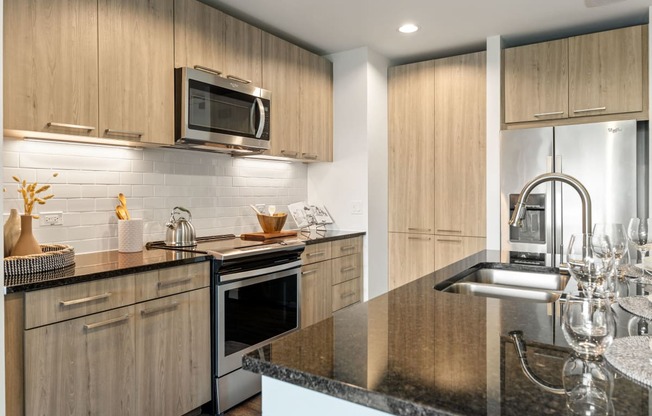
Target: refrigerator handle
{"points": [[549, 166], [558, 164]]}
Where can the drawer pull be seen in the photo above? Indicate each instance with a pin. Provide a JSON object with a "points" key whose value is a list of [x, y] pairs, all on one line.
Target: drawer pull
{"points": [[347, 248], [419, 238], [234, 78], [450, 231], [309, 156], [70, 126], [316, 253], [308, 272], [107, 322], [347, 295], [443, 240], [552, 113], [174, 282], [289, 153], [419, 229], [586, 110], [347, 269], [207, 69], [114, 132], [84, 300], [150, 311]]}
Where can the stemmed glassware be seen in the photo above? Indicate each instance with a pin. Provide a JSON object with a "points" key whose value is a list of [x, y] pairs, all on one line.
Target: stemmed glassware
{"points": [[639, 234], [590, 259], [588, 324], [620, 251]]}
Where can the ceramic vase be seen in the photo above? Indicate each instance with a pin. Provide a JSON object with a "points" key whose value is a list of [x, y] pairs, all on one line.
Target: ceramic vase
{"points": [[26, 243], [11, 231]]}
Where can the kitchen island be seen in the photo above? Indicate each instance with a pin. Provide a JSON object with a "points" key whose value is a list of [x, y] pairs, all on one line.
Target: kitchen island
{"points": [[418, 351]]}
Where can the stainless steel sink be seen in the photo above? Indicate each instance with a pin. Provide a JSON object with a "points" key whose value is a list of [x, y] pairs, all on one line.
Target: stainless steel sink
{"points": [[503, 281]]}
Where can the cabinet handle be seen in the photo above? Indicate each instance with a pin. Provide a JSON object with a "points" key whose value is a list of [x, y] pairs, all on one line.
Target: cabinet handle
{"points": [[150, 311], [234, 78], [347, 269], [450, 231], [207, 69], [289, 153], [84, 300], [552, 113], [107, 322], [114, 132], [347, 295], [70, 126], [419, 238], [174, 282], [448, 241], [316, 253], [310, 156], [308, 272], [347, 248], [419, 229], [586, 110]]}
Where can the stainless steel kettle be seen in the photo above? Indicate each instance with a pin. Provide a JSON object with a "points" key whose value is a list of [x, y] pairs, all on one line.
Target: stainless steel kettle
{"points": [[180, 232]]}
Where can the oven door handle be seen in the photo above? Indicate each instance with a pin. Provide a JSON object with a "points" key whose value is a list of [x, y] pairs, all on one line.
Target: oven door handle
{"points": [[259, 272]]}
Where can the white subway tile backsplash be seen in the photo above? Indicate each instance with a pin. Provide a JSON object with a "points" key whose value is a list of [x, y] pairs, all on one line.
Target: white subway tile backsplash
{"points": [[216, 188]]}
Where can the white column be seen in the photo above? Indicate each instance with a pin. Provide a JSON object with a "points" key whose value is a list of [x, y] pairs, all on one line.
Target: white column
{"points": [[494, 47]]}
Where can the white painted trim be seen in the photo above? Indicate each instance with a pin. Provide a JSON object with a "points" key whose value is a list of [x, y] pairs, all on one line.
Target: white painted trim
{"points": [[494, 86]]}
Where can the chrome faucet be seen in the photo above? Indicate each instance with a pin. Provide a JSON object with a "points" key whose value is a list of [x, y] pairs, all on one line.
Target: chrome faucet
{"points": [[521, 208]]}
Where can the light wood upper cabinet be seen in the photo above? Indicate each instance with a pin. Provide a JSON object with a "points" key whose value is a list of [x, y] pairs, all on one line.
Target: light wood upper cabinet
{"points": [[536, 81], [411, 105], [136, 54], [316, 101], [51, 68], [281, 74], [411, 256], [606, 72], [206, 37], [460, 145]]}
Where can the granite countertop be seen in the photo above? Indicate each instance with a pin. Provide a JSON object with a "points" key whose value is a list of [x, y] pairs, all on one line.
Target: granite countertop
{"points": [[418, 351], [105, 264]]}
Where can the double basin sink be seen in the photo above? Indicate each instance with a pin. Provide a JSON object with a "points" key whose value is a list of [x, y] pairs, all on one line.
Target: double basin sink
{"points": [[504, 281]]}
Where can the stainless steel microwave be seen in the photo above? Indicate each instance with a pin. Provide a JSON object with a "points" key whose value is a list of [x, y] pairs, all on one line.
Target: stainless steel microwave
{"points": [[220, 114]]}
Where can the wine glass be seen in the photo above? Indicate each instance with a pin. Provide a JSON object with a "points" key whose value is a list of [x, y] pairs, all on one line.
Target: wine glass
{"points": [[588, 324], [589, 386], [590, 261], [638, 233]]}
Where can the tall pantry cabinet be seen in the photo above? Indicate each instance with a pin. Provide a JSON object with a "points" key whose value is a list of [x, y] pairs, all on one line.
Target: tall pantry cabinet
{"points": [[436, 164]]}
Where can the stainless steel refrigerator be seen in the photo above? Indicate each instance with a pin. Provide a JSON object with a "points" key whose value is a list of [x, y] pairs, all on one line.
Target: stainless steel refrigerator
{"points": [[609, 158]]}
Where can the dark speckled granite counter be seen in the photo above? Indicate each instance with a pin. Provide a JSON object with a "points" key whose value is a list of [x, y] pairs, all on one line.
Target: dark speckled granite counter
{"points": [[418, 351], [106, 264]]}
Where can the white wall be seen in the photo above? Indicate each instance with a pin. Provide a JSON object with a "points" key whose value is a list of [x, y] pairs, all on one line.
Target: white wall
{"points": [[216, 188], [354, 186], [494, 53]]}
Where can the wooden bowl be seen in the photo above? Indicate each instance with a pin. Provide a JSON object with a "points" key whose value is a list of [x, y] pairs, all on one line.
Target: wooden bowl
{"points": [[272, 223]]}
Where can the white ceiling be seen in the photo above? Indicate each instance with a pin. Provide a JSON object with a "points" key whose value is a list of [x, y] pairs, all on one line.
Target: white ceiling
{"points": [[447, 27]]}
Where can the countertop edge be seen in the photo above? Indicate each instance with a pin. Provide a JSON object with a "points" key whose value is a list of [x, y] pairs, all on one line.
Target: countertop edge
{"points": [[343, 236]]}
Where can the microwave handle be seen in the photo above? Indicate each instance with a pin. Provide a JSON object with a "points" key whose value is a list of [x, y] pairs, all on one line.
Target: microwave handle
{"points": [[261, 110]]}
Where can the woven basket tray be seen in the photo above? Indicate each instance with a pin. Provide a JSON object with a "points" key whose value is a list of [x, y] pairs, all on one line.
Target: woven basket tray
{"points": [[54, 256]]}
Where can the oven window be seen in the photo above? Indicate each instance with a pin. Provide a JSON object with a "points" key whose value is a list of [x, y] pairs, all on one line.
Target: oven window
{"points": [[258, 312]]}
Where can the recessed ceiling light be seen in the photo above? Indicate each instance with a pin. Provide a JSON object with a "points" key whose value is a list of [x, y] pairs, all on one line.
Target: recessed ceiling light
{"points": [[408, 28]]}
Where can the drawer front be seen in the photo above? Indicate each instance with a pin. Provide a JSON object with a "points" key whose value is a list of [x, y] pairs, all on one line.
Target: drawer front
{"points": [[72, 301], [172, 280], [345, 294], [347, 268], [346, 247], [316, 252]]}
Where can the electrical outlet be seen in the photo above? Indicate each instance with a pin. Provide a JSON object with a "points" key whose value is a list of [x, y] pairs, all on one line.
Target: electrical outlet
{"points": [[51, 218], [356, 207]]}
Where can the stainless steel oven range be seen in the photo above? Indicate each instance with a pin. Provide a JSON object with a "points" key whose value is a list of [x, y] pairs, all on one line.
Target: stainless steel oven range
{"points": [[255, 296]]}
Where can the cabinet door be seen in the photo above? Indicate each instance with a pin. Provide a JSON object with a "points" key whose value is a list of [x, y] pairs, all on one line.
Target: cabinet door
{"points": [[281, 76], [449, 249], [198, 35], [136, 58], [50, 67], [316, 119], [411, 256], [460, 143], [244, 50], [606, 72], [411, 105], [173, 353], [83, 366], [316, 294], [536, 82]]}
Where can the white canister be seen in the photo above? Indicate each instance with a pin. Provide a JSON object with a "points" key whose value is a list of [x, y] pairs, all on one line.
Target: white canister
{"points": [[130, 235]]}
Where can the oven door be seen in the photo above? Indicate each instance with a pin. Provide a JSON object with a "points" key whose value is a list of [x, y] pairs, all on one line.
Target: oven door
{"points": [[253, 311]]}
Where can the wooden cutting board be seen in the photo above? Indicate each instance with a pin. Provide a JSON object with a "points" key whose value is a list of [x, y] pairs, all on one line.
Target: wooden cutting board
{"points": [[267, 236]]}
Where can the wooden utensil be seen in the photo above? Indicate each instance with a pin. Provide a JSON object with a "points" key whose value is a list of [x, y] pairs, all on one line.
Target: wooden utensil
{"points": [[123, 201], [121, 212]]}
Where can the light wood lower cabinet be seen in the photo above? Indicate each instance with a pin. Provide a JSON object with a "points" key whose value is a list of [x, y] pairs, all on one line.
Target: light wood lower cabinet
{"points": [[449, 249], [331, 278], [411, 256], [152, 356]]}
